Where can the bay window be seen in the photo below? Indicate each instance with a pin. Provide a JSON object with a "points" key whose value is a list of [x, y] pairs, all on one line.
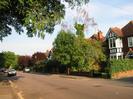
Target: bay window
{"points": [[130, 41]]}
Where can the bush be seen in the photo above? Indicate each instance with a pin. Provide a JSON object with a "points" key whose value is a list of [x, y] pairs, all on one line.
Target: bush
{"points": [[115, 66]]}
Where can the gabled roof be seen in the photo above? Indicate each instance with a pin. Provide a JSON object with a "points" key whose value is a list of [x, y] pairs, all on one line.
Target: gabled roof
{"points": [[128, 29], [117, 31]]}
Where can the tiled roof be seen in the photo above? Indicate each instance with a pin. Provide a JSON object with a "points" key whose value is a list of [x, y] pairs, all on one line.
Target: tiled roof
{"points": [[128, 29], [117, 31], [99, 36]]}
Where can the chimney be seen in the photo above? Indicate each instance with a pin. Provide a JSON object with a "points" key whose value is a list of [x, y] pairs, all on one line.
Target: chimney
{"points": [[100, 35]]}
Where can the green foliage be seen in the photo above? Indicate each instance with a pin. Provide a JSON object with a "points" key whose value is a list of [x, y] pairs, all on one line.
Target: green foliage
{"points": [[77, 52], [52, 66], [64, 47], [79, 29], [39, 66], [91, 53], [77, 2], [115, 66], [2, 60], [37, 16], [8, 60]]}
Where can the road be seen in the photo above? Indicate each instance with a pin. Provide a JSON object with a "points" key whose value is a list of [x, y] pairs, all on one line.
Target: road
{"points": [[37, 86]]}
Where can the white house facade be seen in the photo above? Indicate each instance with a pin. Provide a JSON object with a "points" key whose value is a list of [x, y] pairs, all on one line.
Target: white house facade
{"points": [[115, 45], [120, 42]]}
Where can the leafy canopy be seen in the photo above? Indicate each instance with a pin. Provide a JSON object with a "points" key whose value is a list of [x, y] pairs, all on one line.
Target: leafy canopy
{"points": [[77, 52], [64, 47], [37, 16], [8, 59]]}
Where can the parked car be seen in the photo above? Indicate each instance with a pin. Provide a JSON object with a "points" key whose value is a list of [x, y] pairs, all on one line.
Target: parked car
{"points": [[11, 72], [2, 69], [26, 70]]}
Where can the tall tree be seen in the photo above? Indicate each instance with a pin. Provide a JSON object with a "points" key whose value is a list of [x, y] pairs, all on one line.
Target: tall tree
{"points": [[76, 52], [37, 16], [63, 48]]}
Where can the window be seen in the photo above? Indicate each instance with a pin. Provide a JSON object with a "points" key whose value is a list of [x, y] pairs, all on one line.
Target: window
{"points": [[110, 34], [112, 56], [119, 42], [130, 41], [119, 50], [112, 42], [119, 57]]}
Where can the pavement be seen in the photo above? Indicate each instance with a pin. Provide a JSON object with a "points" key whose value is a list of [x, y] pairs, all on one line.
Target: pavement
{"points": [[38, 86], [6, 92]]}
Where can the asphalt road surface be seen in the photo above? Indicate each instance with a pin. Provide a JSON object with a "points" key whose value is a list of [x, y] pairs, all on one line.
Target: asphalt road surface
{"points": [[37, 86]]}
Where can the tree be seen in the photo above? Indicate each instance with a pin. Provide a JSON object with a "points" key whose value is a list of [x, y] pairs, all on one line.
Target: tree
{"points": [[63, 48], [77, 52], [77, 2], [37, 16], [96, 56], [92, 51], [24, 61], [79, 30], [8, 59], [37, 57], [2, 60]]}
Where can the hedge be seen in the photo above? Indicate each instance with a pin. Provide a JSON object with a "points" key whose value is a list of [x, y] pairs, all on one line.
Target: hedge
{"points": [[116, 66]]}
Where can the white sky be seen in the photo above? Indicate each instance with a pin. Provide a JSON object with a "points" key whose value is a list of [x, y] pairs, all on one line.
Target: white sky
{"points": [[106, 13]]}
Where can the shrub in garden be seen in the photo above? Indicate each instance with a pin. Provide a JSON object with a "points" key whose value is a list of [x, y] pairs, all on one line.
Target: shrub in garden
{"points": [[116, 66]]}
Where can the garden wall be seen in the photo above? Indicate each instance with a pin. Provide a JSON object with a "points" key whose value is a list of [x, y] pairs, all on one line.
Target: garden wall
{"points": [[122, 74], [120, 68]]}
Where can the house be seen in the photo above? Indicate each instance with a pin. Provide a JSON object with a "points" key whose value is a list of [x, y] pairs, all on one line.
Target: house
{"points": [[99, 36], [120, 41]]}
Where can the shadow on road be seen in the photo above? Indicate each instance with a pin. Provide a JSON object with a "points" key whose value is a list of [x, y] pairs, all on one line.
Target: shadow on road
{"points": [[48, 74], [127, 79], [4, 78]]}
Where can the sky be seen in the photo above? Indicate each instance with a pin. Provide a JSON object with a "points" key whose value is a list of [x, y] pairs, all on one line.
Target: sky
{"points": [[106, 14]]}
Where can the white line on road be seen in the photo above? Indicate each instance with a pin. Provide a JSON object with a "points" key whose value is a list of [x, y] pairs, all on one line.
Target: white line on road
{"points": [[19, 94], [11, 83]]}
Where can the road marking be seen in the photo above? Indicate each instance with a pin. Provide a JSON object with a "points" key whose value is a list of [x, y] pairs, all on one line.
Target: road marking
{"points": [[11, 83], [19, 94]]}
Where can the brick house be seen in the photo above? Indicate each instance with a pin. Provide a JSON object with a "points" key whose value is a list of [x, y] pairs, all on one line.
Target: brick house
{"points": [[99, 36], [120, 41]]}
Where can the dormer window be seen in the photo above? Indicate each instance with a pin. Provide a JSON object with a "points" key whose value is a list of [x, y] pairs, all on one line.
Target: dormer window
{"points": [[130, 41]]}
